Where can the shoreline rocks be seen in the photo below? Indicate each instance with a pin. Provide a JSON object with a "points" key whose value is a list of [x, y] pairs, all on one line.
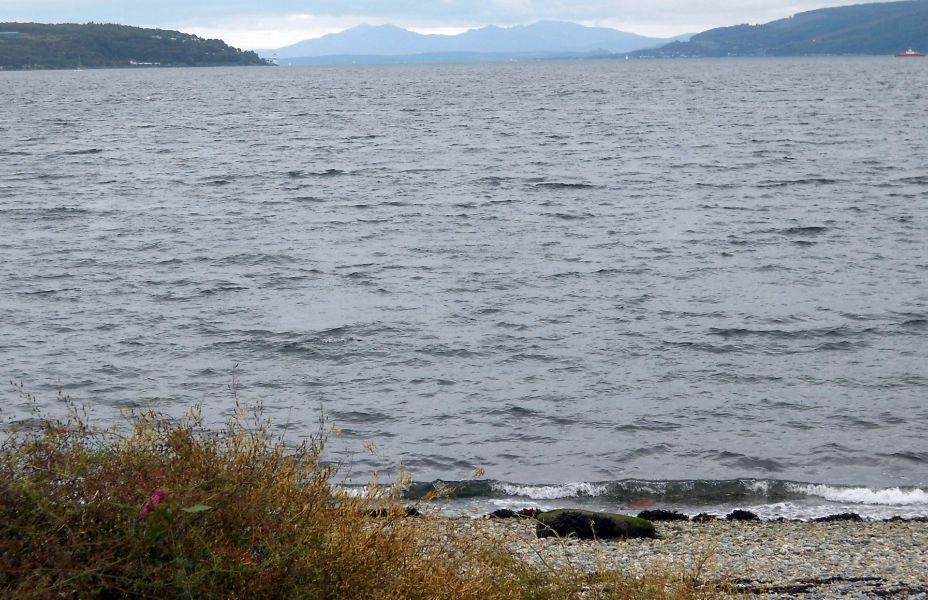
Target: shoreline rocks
{"points": [[589, 525], [741, 515], [766, 559], [662, 515]]}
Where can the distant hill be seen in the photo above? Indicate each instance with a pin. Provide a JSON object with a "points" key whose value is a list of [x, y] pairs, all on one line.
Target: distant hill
{"points": [[883, 28], [94, 45], [544, 38]]}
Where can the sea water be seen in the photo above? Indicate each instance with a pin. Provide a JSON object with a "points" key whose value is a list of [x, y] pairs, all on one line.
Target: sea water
{"points": [[697, 283]]}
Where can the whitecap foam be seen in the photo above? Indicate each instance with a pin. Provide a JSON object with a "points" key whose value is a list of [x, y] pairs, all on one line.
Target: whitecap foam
{"points": [[517, 504], [550, 492], [353, 491], [758, 486], [861, 495]]}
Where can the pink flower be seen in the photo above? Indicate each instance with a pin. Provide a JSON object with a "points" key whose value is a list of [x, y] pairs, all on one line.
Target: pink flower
{"points": [[157, 498]]}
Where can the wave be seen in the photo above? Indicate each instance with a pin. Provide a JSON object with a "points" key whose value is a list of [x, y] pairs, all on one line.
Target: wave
{"points": [[551, 492], [82, 152], [863, 495], [809, 333], [802, 181], [693, 493], [564, 185], [570, 217], [254, 259], [917, 180], [808, 230]]}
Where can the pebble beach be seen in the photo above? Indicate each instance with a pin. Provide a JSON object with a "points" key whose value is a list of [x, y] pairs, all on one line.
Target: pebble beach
{"points": [[760, 559]]}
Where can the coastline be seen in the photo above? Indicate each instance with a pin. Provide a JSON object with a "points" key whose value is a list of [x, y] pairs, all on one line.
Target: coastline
{"points": [[759, 559], [769, 499]]}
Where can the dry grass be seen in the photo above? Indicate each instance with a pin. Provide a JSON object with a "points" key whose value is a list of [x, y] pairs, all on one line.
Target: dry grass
{"points": [[166, 509]]}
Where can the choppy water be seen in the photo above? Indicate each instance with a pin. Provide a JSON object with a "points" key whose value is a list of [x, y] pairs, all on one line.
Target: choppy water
{"points": [[563, 273]]}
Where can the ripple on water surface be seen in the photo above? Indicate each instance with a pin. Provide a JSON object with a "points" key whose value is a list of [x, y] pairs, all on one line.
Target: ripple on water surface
{"points": [[584, 271]]}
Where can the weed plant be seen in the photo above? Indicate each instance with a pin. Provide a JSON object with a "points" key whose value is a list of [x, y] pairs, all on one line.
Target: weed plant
{"points": [[164, 508]]}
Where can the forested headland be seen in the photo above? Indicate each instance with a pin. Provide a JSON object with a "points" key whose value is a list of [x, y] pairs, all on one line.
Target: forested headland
{"points": [[104, 45]]}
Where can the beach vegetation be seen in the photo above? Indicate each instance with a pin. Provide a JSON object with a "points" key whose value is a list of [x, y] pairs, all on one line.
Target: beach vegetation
{"points": [[169, 508]]}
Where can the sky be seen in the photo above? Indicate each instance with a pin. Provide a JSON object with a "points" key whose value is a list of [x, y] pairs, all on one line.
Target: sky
{"points": [[276, 23]]}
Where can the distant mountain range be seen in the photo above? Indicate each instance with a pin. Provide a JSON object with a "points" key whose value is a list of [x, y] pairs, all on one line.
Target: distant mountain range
{"points": [[877, 28], [542, 39], [883, 28]]}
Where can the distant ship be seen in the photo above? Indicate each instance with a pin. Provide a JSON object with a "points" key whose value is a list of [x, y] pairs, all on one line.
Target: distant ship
{"points": [[909, 53]]}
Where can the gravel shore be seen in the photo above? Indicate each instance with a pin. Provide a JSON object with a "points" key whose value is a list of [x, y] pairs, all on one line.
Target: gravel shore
{"points": [[761, 559]]}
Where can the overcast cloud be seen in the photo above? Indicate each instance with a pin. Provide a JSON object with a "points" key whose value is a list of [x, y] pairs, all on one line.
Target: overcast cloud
{"points": [[276, 23]]}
